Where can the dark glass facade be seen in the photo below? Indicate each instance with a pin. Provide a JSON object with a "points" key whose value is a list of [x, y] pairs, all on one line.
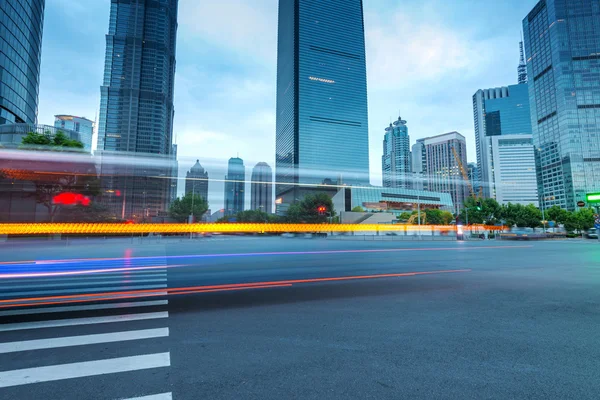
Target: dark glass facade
{"points": [[562, 44], [498, 111], [235, 182], [322, 127], [261, 190], [136, 108], [21, 25]]}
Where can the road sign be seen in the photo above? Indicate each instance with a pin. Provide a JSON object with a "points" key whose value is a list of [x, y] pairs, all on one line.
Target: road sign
{"points": [[593, 197], [581, 203]]}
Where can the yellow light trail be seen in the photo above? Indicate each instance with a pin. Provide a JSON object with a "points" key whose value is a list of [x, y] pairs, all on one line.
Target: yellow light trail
{"points": [[121, 228]]}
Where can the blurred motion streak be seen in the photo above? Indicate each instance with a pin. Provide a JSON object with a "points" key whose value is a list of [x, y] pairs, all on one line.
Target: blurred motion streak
{"points": [[78, 298], [119, 228]]}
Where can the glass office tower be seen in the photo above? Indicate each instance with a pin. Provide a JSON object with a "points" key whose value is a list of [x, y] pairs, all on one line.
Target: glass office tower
{"points": [[322, 127], [562, 43], [235, 183], [136, 106], [21, 25], [396, 160], [498, 111]]}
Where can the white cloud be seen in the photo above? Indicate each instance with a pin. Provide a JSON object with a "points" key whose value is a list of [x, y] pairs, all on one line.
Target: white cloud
{"points": [[243, 26], [405, 52]]}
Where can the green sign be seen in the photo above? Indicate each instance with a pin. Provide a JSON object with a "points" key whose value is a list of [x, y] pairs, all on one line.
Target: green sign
{"points": [[593, 197]]}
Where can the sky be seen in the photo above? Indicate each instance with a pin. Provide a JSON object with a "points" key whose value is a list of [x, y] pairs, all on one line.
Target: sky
{"points": [[425, 60]]}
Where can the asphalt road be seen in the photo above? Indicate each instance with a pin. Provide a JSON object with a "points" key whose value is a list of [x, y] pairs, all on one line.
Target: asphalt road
{"points": [[451, 320]]}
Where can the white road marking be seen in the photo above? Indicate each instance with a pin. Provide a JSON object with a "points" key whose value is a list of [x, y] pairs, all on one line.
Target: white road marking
{"points": [[82, 369], [82, 321], [44, 310], [52, 343], [89, 290], [161, 396], [80, 284]]}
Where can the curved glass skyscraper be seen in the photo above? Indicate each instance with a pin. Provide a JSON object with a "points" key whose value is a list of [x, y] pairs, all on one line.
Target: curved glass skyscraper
{"points": [[322, 126], [21, 25]]}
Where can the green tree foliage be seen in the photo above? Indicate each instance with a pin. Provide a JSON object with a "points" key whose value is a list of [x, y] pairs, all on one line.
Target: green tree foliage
{"points": [[358, 209], [181, 208], [95, 212], [404, 217], [59, 140], [480, 211], [580, 220], [307, 210], [439, 217], [557, 214]]}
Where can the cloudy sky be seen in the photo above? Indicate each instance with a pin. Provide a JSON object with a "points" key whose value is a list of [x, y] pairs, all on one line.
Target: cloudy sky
{"points": [[425, 58]]}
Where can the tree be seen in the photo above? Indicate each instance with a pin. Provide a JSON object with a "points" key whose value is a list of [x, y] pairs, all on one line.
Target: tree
{"points": [[181, 208], [93, 213], [579, 220], [480, 211], [404, 217], [358, 209], [530, 217], [47, 186], [59, 140], [307, 209], [557, 214]]}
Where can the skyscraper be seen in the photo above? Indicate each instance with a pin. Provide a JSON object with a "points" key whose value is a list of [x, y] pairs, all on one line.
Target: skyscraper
{"points": [[261, 190], [83, 126], [522, 68], [235, 182], [21, 26], [322, 124], [514, 169], [497, 111], [196, 181], [444, 155], [396, 160], [136, 105], [419, 165], [562, 43]]}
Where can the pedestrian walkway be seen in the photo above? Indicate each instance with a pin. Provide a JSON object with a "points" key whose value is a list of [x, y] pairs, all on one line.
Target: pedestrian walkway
{"points": [[24, 363], [54, 346]]}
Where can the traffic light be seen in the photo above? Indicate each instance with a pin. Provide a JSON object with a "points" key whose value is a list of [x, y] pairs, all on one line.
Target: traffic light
{"points": [[478, 205], [321, 210]]}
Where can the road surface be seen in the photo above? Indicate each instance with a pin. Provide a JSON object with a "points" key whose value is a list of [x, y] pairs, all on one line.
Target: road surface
{"points": [[412, 320]]}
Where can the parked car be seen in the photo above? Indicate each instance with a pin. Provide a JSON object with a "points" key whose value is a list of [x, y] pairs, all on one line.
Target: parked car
{"points": [[592, 233]]}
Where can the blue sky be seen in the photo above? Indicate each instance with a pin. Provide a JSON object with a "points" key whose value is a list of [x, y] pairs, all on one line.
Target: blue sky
{"points": [[425, 58]]}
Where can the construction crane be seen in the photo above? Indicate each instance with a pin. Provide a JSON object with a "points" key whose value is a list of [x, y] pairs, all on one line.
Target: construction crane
{"points": [[465, 176]]}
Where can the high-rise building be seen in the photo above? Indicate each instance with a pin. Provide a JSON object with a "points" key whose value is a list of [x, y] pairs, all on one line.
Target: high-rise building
{"points": [[473, 174], [322, 124], [261, 189], [235, 183], [522, 68], [83, 126], [136, 106], [514, 169], [419, 165], [196, 181], [445, 154], [21, 26], [396, 160], [136, 103], [562, 44], [497, 111]]}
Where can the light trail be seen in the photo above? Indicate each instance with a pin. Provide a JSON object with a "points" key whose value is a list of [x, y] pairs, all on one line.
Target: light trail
{"points": [[79, 298]]}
